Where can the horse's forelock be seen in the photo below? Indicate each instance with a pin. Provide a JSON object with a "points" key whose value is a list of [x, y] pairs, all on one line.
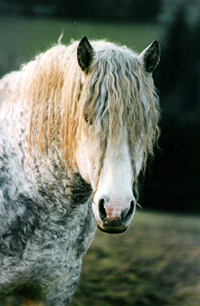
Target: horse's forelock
{"points": [[120, 92]]}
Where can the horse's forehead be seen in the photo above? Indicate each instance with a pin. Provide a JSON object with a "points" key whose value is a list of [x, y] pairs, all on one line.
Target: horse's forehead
{"points": [[117, 57]]}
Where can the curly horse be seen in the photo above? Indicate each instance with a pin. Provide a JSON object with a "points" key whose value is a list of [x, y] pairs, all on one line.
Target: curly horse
{"points": [[77, 125]]}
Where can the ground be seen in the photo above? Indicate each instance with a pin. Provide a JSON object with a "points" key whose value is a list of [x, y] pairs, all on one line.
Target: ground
{"points": [[156, 262]]}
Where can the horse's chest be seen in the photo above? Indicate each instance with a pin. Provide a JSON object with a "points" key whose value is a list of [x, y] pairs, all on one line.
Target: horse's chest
{"points": [[54, 253], [66, 223], [62, 237]]}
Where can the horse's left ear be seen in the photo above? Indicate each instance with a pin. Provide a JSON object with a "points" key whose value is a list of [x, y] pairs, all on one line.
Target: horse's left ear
{"points": [[85, 54], [150, 57]]}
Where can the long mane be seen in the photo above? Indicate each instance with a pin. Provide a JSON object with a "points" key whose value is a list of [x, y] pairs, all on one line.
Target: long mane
{"points": [[115, 93]]}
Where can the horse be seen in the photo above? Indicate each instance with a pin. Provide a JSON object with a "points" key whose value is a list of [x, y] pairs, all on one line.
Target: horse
{"points": [[77, 124]]}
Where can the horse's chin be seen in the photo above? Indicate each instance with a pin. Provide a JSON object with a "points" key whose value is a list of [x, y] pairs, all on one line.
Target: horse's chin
{"points": [[111, 230]]}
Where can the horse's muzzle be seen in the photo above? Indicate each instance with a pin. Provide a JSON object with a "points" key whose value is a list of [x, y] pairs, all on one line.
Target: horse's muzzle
{"points": [[113, 220]]}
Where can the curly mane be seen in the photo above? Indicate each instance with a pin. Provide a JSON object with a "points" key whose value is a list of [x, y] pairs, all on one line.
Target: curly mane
{"points": [[115, 93]]}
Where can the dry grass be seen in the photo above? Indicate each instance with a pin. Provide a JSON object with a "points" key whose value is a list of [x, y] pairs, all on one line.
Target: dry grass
{"points": [[157, 262]]}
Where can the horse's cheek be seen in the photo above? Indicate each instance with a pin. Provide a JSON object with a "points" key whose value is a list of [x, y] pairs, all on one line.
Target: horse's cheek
{"points": [[82, 162]]}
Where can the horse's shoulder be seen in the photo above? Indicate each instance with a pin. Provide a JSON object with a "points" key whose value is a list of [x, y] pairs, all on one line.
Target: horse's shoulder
{"points": [[15, 190]]}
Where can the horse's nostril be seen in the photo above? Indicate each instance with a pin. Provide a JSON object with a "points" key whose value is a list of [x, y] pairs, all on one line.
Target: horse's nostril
{"points": [[131, 210], [102, 210], [128, 212]]}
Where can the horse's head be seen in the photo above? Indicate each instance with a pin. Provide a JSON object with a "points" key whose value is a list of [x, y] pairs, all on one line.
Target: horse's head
{"points": [[119, 125]]}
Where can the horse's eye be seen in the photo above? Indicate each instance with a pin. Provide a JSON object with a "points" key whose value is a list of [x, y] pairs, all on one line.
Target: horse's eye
{"points": [[88, 119]]}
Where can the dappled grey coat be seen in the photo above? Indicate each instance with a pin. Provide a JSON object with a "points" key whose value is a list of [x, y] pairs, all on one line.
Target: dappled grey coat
{"points": [[42, 238], [46, 218]]}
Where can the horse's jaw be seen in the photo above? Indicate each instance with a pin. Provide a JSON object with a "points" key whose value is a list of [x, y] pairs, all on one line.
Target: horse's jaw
{"points": [[111, 229]]}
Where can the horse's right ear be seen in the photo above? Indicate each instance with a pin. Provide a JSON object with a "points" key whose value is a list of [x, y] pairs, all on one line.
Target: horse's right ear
{"points": [[85, 54]]}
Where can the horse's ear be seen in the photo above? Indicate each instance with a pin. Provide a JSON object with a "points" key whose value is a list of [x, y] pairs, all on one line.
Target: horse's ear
{"points": [[150, 56], [85, 54]]}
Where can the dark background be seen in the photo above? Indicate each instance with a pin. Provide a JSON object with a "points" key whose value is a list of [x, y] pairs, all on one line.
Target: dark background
{"points": [[173, 178]]}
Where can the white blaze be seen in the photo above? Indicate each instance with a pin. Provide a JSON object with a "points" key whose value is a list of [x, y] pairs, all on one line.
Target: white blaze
{"points": [[115, 184]]}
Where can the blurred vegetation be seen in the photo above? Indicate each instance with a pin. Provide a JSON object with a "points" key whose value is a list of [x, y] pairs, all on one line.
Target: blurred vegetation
{"points": [[98, 10], [179, 69], [174, 181]]}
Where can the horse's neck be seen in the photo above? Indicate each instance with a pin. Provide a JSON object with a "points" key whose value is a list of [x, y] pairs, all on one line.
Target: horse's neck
{"points": [[14, 119], [47, 173]]}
